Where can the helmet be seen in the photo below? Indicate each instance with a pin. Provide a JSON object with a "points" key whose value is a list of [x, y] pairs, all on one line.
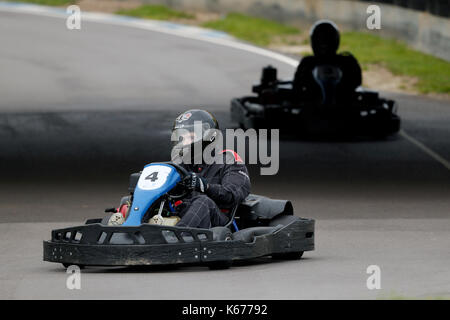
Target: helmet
{"points": [[324, 37], [194, 126]]}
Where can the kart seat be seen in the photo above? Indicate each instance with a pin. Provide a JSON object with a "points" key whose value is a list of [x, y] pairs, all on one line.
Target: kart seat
{"points": [[256, 207]]}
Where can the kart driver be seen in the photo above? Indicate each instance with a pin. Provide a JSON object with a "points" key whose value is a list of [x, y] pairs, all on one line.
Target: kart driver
{"points": [[216, 188], [324, 36]]}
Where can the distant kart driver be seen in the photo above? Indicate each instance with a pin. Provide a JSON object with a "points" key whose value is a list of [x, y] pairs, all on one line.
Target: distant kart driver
{"points": [[216, 188], [325, 38]]}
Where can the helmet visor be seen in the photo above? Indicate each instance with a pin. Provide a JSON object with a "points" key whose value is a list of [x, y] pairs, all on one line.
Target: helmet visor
{"points": [[189, 134]]}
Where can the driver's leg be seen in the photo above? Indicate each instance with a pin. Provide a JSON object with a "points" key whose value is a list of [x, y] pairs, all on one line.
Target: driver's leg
{"points": [[202, 212]]}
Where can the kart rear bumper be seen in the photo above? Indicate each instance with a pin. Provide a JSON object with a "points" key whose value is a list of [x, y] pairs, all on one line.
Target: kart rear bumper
{"points": [[147, 245], [376, 120]]}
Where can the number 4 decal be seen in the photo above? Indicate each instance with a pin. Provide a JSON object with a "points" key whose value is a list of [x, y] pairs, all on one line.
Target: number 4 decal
{"points": [[152, 176]]}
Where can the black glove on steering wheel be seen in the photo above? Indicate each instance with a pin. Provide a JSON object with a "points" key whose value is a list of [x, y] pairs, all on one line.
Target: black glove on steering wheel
{"points": [[194, 182]]}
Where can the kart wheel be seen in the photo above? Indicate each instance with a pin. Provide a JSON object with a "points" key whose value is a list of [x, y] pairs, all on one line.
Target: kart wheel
{"points": [[287, 256], [66, 265], [220, 265]]}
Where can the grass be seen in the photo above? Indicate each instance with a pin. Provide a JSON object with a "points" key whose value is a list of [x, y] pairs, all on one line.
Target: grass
{"points": [[48, 2], [256, 30], [433, 74], [156, 12]]}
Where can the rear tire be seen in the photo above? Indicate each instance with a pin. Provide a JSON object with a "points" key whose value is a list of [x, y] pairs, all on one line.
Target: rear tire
{"points": [[220, 265], [66, 265], [287, 255]]}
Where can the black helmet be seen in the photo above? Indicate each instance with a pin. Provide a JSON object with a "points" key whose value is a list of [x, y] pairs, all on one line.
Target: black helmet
{"points": [[325, 38], [193, 126]]}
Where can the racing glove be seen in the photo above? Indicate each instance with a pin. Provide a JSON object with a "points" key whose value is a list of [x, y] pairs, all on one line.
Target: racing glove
{"points": [[196, 183]]}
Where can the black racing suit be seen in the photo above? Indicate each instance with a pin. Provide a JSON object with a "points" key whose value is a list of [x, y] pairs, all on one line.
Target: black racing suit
{"points": [[228, 185], [307, 89]]}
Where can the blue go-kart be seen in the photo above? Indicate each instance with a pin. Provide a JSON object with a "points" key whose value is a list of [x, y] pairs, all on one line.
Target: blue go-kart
{"points": [[143, 231]]}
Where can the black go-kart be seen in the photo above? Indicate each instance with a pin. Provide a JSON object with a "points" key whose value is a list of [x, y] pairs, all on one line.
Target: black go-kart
{"points": [[143, 231], [276, 105]]}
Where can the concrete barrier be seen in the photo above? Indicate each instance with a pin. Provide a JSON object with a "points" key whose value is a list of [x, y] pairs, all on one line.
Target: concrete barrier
{"points": [[421, 30]]}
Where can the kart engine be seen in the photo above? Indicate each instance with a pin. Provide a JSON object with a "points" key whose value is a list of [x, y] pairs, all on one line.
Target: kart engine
{"points": [[116, 219], [168, 221]]}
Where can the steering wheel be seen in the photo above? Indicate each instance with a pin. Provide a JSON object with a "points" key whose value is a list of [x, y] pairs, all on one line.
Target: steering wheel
{"points": [[183, 173]]}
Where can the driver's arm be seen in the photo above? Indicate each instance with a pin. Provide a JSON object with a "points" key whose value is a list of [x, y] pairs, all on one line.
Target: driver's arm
{"points": [[234, 187], [303, 74], [356, 70], [352, 71]]}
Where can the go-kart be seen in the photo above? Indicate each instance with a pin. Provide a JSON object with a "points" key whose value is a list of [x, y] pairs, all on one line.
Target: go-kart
{"points": [[143, 230], [276, 105]]}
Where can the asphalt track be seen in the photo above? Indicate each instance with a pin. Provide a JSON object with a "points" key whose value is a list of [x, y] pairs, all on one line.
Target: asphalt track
{"points": [[80, 110]]}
